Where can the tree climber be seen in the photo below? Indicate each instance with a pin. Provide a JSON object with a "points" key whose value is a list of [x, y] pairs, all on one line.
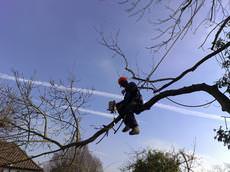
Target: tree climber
{"points": [[129, 105]]}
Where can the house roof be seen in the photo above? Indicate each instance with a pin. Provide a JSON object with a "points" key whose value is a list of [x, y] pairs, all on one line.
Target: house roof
{"points": [[11, 156]]}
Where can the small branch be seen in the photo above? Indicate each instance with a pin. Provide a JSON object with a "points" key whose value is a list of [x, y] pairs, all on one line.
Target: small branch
{"points": [[219, 31], [191, 106], [113, 46], [37, 134], [152, 81], [194, 67]]}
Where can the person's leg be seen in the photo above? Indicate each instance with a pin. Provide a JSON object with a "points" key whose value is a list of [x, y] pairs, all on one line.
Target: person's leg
{"points": [[131, 123], [122, 112], [130, 120]]}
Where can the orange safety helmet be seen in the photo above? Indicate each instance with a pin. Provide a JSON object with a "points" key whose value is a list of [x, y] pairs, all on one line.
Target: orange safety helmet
{"points": [[122, 79]]}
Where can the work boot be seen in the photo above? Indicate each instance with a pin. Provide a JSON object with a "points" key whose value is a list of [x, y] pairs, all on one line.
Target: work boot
{"points": [[125, 129], [134, 131]]}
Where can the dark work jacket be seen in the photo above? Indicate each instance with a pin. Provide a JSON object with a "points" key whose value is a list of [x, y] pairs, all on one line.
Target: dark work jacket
{"points": [[132, 95]]}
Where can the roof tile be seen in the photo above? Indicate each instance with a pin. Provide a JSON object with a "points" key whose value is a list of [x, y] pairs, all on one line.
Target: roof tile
{"points": [[12, 156]]}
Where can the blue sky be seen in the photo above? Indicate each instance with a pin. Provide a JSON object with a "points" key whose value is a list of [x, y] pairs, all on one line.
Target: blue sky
{"points": [[55, 39]]}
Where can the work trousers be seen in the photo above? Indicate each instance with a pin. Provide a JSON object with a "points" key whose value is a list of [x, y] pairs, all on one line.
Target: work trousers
{"points": [[127, 114]]}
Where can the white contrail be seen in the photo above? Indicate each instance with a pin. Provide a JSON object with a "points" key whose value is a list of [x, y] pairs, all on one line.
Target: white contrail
{"points": [[61, 87], [189, 112], [107, 115], [114, 96]]}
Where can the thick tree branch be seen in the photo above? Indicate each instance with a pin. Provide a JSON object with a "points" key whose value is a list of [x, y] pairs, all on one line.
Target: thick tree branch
{"points": [[212, 90], [105, 129]]}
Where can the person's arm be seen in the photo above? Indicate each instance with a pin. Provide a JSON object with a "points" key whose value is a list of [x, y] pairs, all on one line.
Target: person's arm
{"points": [[125, 101], [127, 98]]}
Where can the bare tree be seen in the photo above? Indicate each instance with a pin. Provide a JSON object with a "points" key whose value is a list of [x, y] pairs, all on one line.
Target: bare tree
{"points": [[79, 160], [34, 116], [29, 116]]}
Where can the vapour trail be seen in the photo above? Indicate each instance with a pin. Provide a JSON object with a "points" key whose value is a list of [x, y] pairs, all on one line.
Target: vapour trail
{"points": [[179, 110]]}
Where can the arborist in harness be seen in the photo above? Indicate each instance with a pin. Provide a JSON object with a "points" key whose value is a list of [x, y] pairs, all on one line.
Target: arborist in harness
{"points": [[129, 105]]}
